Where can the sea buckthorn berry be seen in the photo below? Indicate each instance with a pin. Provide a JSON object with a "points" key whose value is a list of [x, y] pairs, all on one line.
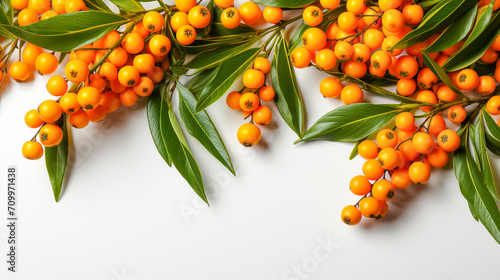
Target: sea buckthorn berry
{"points": [[141, 30], [32, 119], [332, 31], [110, 101], [369, 207], [406, 87], [343, 50], [246, 113], [179, 19], [89, 98], [262, 64], [438, 158], [351, 94], [249, 134], [199, 17], [314, 39], [400, 179], [330, 4], [423, 143], [79, 119], [262, 115], [249, 101], [368, 149], [490, 56], [384, 208], [360, 185], [372, 16], [32, 150], [372, 170], [493, 105], [445, 93], [57, 85], [26, 17], [233, 100], [144, 87], [457, 114], [128, 76], [108, 71], [46, 63], [419, 172], [110, 39], [266, 93], [159, 45], [153, 21], [405, 135], [388, 43], [405, 121], [96, 81], [350, 215], [361, 52], [467, 79], [133, 43], [486, 85], [407, 66], [347, 21], [30, 53], [50, 135], [85, 55], [330, 87], [224, 3], [393, 20], [355, 69], [128, 97], [116, 86], [408, 150], [97, 114], [250, 12], [272, 15], [156, 75], [426, 96], [253, 78], [312, 16], [76, 71], [301, 57], [356, 6], [230, 18], [436, 125], [388, 158], [69, 103], [186, 35], [386, 5], [19, 4], [413, 14], [376, 72], [426, 79], [185, 5], [19, 71], [448, 140], [383, 190], [144, 63], [496, 44], [48, 14], [387, 138], [49, 111], [326, 59], [72, 6], [381, 60]]}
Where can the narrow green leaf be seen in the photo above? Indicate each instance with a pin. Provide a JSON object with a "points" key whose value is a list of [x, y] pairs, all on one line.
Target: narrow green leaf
{"points": [[354, 152], [218, 30], [97, 5], [438, 18], [200, 126], [439, 72], [455, 32], [228, 73], [284, 3], [473, 51], [483, 18], [482, 68], [428, 3], [128, 5], [492, 148], [351, 123], [296, 40], [483, 157], [6, 12], [379, 81], [66, 32], [56, 159], [205, 44], [157, 114], [494, 130], [288, 98], [201, 80], [213, 58]]}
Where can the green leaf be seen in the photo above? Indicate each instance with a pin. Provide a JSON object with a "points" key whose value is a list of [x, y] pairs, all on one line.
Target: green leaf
{"points": [[473, 51], [202, 44], [354, 152], [439, 72], [493, 136], [176, 145], [379, 81], [67, 32], [351, 123], [200, 126], [296, 40], [157, 115], [6, 12], [56, 159], [128, 5], [284, 3], [228, 73], [492, 148], [439, 17], [483, 18], [201, 80], [218, 30], [428, 3], [455, 32], [97, 5], [213, 58], [483, 157], [472, 186]]}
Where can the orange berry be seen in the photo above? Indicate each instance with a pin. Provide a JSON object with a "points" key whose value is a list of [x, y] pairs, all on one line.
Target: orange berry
{"points": [[128, 97], [85, 55], [330, 87], [26, 17], [233, 100], [381, 60], [76, 71], [230, 18], [332, 31], [185, 5], [32, 150], [312, 16], [343, 50], [383, 210], [49, 111], [144, 87], [361, 52], [314, 39], [436, 125], [426, 79], [69, 103], [199, 17], [159, 45], [89, 98], [355, 69], [153, 21], [186, 35], [253, 78], [50, 135], [133, 43], [400, 179], [144, 63], [356, 6], [372, 170], [72, 6], [108, 71], [360, 185], [330, 4], [369, 207], [272, 14], [347, 21], [116, 86], [490, 56], [141, 30], [387, 138], [156, 75], [419, 172], [467, 79], [30, 53], [388, 43], [493, 105], [372, 16], [383, 190], [408, 150], [368, 149], [428, 97], [388, 158], [413, 14], [118, 57], [262, 115], [128, 76], [19, 4], [351, 94], [224, 3], [266, 93], [350, 215], [386, 5], [457, 114], [301, 57], [32, 119], [249, 134], [250, 12], [79, 119], [406, 87], [326, 59], [19, 71], [97, 114], [96, 81], [262, 64], [373, 38], [448, 140], [46, 63], [180, 19], [445, 93], [249, 101], [57, 85], [423, 143], [486, 85], [110, 101], [405, 121], [393, 20], [438, 158], [407, 66]]}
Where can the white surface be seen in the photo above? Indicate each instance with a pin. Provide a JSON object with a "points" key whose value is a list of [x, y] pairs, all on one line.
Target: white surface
{"points": [[125, 215]]}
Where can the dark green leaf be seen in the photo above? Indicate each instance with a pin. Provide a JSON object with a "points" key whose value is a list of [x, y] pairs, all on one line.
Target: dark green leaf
{"points": [[97, 5], [6, 12], [128, 5], [438, 18], [483, 158], [379, 81], [228, 73], [288, 98], [66, 32], [200, 126], [56, 159], [218, 30], [176, 145], [354, 152], [492, 148], [473, 51], [351, 123], [455, 32], [296, 40], [201, 80], [482, 68], [284, 3], [493, 135], [213, 58], [439, 72], [483, 18], [157, 115], [428, 3], [201, 45]]}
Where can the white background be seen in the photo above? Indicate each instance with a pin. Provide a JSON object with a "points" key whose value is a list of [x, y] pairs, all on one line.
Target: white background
{"points": [[125, 215]]}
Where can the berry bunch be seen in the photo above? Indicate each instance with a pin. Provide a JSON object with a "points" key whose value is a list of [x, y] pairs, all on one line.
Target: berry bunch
{"points": [[249, 13]]}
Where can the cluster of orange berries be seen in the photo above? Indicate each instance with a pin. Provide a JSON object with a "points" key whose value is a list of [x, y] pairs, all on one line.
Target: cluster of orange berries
{"points": [[135, 61], [248, 100], [32, 11], [249, 13], [407, 156]]}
